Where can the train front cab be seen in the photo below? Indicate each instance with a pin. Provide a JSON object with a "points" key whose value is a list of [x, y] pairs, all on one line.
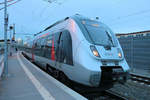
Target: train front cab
{"points": [[109, 64]]}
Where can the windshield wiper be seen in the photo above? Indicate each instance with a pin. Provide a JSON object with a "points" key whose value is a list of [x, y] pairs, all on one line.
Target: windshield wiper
{"points": [[110, 39]]}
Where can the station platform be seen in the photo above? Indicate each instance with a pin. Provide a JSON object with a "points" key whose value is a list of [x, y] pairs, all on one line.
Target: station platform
{"points": [[27, 82]]}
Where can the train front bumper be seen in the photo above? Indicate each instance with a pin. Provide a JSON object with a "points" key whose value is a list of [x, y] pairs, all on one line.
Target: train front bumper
{"points": [[113, 74], [108, 76]]}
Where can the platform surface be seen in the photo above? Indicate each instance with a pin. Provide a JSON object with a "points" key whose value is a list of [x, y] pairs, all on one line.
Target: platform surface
{"points": [[27, 82]]}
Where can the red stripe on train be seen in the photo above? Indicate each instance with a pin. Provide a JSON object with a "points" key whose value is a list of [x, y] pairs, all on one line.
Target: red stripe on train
{"points": [[53, 50], [32, 53]]}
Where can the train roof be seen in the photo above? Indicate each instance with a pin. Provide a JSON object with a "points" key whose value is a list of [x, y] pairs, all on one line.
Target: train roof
{"points": [[76, 16]]}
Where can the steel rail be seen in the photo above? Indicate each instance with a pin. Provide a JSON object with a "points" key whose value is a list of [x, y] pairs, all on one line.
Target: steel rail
{"points": [[139, 78]]}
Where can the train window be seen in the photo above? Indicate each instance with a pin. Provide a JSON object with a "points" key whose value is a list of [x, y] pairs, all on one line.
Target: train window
{"points": [[49, 40], [43, 47], [45, 41], [94, 32], [48, 46], [99, 33], [42, 42], [82, 28], [38, 43], [35, 45]]}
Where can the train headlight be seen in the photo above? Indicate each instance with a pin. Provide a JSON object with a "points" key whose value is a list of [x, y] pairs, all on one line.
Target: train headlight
{"points": [[119, 53], [94, 51]]}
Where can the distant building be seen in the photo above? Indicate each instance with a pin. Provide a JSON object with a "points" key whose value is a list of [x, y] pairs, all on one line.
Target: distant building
{"points": [[134, 34], [136, 47]]}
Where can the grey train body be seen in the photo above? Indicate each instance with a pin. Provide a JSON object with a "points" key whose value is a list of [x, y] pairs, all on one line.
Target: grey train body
{"points": [[85, 50]]}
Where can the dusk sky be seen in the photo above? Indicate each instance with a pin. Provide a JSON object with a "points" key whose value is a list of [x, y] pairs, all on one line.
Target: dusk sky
{"points": [[32, 16]]}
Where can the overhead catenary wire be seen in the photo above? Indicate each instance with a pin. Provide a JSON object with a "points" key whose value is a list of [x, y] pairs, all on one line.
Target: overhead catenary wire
{"points": [[7, 1], [55, 1], [139, 19], [45, 8], [130, 15], [10, 4]]}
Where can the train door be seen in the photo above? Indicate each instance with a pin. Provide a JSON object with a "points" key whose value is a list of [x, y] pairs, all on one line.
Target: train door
{"points": [[64, 49]]}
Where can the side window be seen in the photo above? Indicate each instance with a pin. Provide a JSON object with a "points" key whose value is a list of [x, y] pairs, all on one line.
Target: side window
{"points": [[35, 44], [44, 47], [38, 50], [48, 46], [38, 41], [42, 42], [49, 41], [35, 47]]}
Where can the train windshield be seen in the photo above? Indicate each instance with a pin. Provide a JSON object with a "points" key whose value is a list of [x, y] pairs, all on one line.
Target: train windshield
{"points": [[99, 33]]}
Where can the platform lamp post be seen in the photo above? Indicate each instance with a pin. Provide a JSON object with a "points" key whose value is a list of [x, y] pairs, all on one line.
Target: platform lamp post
{"points": [[5, 39]]}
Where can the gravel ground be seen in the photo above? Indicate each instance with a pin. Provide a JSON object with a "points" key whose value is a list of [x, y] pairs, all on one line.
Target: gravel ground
{"points": [[133, 90]]}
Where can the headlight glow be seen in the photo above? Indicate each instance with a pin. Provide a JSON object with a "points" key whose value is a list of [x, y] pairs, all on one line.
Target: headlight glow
{"points": [[119, 55], [94, 51]]}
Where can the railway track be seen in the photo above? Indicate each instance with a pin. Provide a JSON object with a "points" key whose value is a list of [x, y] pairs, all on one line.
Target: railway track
{"points": [[104, 95], [116, 95], [140, 79]]}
